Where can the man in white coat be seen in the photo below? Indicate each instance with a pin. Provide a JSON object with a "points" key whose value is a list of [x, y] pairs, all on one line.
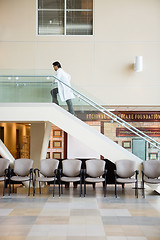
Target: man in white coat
{"points": [[65, 93]]}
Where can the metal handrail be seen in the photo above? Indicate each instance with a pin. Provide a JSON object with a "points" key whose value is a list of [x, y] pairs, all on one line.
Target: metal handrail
{"points": [[113, 117], [95, 105]]}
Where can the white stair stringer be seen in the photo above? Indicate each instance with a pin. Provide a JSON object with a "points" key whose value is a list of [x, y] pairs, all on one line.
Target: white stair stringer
{"points": [[50, 112], [5, 153]]}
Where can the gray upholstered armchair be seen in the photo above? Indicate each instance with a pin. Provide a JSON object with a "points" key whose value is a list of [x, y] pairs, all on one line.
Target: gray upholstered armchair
{"points": [[95, 172], [4, 165], [150, 173], [49, 173], [126, 173], [71, 172], [22, 172]]}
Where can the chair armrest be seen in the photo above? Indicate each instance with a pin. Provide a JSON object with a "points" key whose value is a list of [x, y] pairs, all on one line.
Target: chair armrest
{"points": [[36, 170], [56, 173], [81, 173], [10, 171], [137, 172], [115, 173], [31, 173], [142, 175], [60, 173], [105, 173], [84, 174], [56, 170], [6, 172]]}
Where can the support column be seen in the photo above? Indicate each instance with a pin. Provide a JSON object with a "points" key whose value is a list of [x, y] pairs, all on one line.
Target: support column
{"points": [[48, 127], [36, 140], [40, 133]]}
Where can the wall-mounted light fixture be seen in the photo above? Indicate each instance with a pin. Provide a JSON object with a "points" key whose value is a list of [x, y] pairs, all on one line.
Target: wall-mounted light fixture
{"points": [[138, 64]]}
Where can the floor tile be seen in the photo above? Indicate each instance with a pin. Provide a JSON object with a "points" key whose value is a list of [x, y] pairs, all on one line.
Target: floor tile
{"points": [[70, 217]]}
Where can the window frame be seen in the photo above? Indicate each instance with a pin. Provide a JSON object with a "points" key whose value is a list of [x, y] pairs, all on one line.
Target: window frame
{"points": [[65, 21]]}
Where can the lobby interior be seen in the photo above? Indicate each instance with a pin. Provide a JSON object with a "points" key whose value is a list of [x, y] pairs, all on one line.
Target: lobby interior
{"points": [[102, 66]]}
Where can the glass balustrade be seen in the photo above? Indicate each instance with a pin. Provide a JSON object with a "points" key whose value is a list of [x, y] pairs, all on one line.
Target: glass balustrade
{"points": [[25, 89], [130, 135]]}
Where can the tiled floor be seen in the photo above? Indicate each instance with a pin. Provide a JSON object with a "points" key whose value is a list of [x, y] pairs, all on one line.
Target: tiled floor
{"points": [[72, 218]]}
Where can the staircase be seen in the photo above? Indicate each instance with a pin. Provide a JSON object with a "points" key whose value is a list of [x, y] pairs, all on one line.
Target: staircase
{"points": [[57, 115]]}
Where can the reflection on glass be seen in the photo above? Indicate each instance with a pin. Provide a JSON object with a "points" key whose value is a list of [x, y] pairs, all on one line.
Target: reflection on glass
{"points": [[50, 4], [25, 89], [76, 16], [51, 22], [81, 4], [79, 22], [79, 17]]}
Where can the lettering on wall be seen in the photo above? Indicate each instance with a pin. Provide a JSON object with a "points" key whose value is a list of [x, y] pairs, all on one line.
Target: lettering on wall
{"points": [[126, 116]]}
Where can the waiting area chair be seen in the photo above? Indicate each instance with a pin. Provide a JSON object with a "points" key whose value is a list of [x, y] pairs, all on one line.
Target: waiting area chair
{"points": [[49, 172], [4, 165], [22, 172], [126, 173], [95, 172], [150, 173], [71, 172]]}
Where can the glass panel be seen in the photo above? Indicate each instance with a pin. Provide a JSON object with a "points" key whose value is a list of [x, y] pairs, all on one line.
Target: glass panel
{"points": [[51, 22], [79, 23], [25, 89], [51, 4], [81, 4], [51, 17], [79, 17]]}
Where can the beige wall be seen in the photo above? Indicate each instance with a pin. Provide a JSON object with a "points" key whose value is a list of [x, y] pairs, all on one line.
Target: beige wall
{"points": [[100, 64], [110, 132]]}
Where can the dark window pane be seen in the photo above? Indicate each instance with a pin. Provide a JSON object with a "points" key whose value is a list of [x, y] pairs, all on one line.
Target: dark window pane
{"points": [[79, 4], [51, 22], [79, 23], [79, 17], [51, 4]]}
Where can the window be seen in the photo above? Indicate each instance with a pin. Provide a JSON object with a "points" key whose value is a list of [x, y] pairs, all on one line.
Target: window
{"points": [[65, 17]]}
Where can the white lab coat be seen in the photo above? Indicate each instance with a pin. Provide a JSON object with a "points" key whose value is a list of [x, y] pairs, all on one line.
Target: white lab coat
{"points": [[65, 92]]}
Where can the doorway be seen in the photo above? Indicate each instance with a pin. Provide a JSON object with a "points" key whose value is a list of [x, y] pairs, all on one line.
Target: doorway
{"points": [[139, 148]]}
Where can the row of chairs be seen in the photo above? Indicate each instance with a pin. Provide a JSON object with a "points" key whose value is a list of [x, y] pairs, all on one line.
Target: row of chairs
{"points": [[95, 172]]}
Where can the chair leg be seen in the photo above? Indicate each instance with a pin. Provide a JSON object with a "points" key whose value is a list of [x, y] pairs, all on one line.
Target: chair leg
{"points": [[34, 185], [9, 192], [136, 188], [59, 186], [54, 186], [143, 191], [4, 187], [29, 188], [39, 187], [80, 187], [105, 186], [115, 189], [84, 188]]}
